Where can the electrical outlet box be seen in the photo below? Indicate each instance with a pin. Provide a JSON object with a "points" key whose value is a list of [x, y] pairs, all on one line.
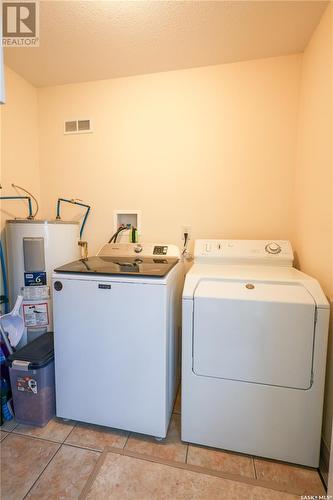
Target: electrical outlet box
{"points": [[188, 230]]}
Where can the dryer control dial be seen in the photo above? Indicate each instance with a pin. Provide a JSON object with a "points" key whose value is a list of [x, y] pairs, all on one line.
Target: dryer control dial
{"points": [[273, 248]]}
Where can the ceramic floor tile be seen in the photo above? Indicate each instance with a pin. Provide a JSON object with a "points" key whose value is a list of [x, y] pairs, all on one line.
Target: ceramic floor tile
{"points": [[222, 461], [23, 460], [97, 437], [290, 477], [3, 434], [170, 448], [178, 402], [66, 474], [126, 478], [9, 425], [56, 430]]}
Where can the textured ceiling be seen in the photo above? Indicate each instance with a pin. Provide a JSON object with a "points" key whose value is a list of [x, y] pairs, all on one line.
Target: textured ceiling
{"points": [[93, 40]]}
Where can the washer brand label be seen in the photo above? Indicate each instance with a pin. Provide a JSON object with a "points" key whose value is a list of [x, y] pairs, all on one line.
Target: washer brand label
{"points": [[104, 287], [35, 279]]}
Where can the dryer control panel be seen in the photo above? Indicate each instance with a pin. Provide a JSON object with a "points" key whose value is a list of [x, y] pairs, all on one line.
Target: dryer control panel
{"points": [[270, 252]]}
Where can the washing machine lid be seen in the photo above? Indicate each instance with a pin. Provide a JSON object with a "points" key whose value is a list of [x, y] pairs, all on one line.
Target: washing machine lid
{"points": [[119, 266], [254, 332]]}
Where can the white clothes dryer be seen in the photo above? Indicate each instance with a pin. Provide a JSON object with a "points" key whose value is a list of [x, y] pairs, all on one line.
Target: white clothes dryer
{"points": [[254, 351]]}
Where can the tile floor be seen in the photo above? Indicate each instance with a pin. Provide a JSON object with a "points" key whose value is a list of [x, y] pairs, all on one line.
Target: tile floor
{"points": [[75, 460]]}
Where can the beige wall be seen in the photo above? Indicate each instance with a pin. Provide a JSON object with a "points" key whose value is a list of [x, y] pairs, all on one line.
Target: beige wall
{"points": [[19, 144], [212, 147], [313, 195]]}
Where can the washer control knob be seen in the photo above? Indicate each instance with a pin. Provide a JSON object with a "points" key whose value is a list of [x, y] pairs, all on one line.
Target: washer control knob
{"points": [[138, 249], [273, 248]]}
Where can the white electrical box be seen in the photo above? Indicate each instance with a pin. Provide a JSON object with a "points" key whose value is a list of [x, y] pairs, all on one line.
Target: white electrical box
{"points": [[132, 218]]}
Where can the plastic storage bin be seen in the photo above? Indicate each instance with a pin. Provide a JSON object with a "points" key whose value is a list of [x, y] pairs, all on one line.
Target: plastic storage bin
{"points": [[32, 381]]}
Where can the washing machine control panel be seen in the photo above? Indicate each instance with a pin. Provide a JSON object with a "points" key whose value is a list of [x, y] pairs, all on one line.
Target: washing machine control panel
{"points": [[139, 249], [270, 252], [160, 250]]}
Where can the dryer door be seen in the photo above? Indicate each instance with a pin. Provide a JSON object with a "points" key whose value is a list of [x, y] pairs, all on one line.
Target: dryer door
{"points": [[254, 332]]}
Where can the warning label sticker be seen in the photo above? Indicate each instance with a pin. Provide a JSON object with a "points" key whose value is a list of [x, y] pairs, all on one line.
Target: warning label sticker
{"points": [[26, 384], [36, 314]]}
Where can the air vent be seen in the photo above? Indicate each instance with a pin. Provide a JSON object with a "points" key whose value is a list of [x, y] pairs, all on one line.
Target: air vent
{"points": [[70, 127], [83, 125], [77, 126]]}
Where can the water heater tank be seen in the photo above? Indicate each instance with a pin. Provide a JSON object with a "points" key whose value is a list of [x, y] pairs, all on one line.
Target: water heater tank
{"points": [[34, 249]]}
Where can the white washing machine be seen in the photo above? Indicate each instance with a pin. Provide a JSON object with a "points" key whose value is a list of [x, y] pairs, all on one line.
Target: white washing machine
{"points": [[117, 337], [254, 351]]}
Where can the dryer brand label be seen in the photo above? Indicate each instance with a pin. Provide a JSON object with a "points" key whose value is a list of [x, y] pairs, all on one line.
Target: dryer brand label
{"points": [[35, 279], [36, 315], [104, 286]]}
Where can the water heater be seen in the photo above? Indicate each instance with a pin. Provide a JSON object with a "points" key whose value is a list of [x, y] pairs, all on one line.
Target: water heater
{"points": [[34, 249]]}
